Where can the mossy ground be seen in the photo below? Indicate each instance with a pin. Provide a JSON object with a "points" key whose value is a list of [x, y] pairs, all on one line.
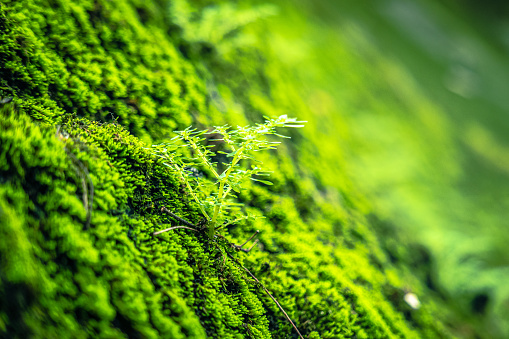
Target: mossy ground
{"points": [[93, 84]]}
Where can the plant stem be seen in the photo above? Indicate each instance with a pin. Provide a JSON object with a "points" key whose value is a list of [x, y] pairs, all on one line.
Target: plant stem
{"points": [[221, 195], [226, 193], [185, 222], [174, 228], [204, 158]]}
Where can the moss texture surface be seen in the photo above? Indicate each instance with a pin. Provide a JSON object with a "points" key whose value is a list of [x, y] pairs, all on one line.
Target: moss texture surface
{"points": [[93, 84]]}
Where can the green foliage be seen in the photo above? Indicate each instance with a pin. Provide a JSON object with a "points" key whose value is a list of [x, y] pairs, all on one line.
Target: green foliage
{"points": [[69, 67], [239, 144], [207, 27]]}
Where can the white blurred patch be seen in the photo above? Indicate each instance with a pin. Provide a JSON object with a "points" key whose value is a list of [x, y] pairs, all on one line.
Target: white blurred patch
{"points": [[412, 300]]}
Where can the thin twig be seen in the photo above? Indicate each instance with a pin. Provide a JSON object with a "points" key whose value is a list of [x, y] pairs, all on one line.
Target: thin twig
{"points": [[174, 228], [251, 237], [250, 248], [185, 222], [266, 291]]}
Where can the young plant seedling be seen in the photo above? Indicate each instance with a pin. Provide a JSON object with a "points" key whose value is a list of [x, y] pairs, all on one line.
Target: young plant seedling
{"points": [[188, 153], [216, 197]]}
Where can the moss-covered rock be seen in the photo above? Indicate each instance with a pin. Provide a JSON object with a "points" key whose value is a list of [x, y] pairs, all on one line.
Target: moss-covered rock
{"points": [[93, 83]]}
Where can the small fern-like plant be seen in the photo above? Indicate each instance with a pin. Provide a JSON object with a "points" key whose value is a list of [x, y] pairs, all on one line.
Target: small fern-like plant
{"points": [[216, 197], [191, 151]]}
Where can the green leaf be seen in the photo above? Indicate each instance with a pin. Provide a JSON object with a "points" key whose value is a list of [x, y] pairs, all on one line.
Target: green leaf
{"points": [[263, 181]]}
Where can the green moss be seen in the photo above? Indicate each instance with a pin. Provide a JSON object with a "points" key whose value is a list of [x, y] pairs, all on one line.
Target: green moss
{"points": [[81, 193]]}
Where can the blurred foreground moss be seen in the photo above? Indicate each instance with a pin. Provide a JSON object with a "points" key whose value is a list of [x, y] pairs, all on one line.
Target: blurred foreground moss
{"points": [[93, 83]]}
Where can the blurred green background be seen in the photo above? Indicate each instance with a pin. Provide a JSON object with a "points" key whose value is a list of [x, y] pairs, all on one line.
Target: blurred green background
{"points": [[416, 95]]}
